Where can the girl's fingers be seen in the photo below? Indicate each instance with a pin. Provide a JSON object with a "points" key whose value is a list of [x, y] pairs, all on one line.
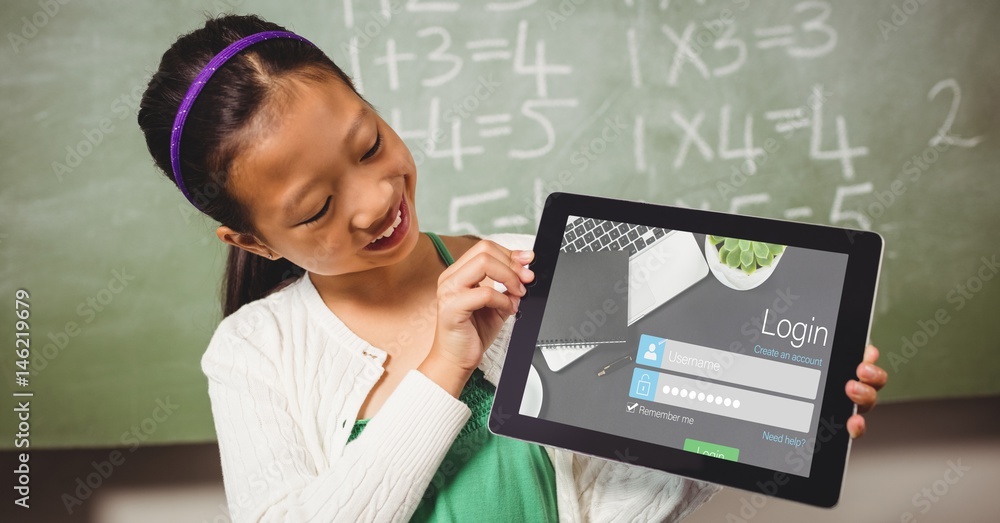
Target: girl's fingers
{"points": [[470, 300], [856, 426], [865, 392], [515, 258], [862, 394], [480, 247], [871, 354], [486, 264], [870, 373]]}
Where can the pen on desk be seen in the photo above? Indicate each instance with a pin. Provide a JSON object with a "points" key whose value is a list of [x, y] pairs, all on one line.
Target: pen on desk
{"points": [[615, 363]]}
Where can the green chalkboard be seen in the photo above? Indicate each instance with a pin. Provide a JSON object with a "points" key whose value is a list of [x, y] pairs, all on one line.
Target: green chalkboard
{"points": [[881, 115]]}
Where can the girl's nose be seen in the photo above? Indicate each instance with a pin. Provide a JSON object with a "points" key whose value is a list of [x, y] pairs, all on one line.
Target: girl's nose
{"points": [[371, 204]]}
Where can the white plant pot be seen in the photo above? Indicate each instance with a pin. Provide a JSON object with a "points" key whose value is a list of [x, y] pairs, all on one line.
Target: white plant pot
{"points": [[735, 278]]}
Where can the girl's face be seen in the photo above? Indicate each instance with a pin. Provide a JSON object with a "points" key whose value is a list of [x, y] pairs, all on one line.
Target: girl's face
{"points": [[323, 178]]}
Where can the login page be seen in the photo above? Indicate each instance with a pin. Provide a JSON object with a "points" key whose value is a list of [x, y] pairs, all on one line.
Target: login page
{"points": [[708, 344]]}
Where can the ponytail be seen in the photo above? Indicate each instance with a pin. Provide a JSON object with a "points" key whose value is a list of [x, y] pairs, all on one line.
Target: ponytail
{"points": [[250, 277]]}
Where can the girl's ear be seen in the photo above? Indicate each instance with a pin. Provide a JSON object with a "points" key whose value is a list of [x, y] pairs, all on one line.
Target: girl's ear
{"points": [[247, 242]]}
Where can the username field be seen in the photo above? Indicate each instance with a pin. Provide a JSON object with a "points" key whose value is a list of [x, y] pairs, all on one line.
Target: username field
{"points": [[730, 367]]}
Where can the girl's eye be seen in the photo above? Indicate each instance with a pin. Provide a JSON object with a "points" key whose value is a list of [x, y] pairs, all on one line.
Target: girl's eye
{"points": [[320, 214], [371, 152]]}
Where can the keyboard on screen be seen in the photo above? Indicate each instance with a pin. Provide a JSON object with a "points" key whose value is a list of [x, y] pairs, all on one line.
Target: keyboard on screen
{"points": [[590, 234]]}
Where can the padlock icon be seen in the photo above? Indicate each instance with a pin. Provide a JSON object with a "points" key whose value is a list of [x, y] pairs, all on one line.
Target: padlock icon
{"points": [[642, 387]]}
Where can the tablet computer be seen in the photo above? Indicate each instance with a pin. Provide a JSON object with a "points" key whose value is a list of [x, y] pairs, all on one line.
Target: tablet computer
{"points": [[709, 345]]}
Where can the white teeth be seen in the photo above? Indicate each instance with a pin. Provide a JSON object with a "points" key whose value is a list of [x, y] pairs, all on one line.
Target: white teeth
{"points": [[392, 228]]}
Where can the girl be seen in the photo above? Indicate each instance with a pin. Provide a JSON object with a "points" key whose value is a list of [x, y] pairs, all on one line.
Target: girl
{"points": [[352, 374]]}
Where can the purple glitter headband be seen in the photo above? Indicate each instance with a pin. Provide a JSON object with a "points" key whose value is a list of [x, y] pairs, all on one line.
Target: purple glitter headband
{"points": [[195, 88]]}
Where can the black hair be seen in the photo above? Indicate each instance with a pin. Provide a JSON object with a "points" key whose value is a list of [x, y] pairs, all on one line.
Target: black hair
{"points": [[228, 110]]}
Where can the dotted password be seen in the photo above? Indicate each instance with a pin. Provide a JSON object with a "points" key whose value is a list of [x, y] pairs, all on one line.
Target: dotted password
{"points": [[701, 396]]}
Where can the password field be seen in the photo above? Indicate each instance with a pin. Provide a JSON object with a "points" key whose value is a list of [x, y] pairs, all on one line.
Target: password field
{"points": [[722, 400]]}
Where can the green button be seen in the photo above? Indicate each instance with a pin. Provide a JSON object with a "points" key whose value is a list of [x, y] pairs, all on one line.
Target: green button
{"points": [[711, 449]]}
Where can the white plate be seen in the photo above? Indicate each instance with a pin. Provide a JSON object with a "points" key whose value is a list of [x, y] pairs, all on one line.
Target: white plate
{"points": [[734, 278], [531, 402]]}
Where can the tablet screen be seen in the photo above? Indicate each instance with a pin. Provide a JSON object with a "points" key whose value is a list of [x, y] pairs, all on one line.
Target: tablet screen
{"points": [[713, 345]]}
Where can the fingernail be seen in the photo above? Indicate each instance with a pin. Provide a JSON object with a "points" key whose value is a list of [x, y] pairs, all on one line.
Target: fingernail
{"points": [[868, 371], [525, 255], [521, 285]]}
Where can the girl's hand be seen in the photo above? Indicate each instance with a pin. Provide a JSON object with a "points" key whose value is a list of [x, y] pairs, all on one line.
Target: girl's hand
{"points": [[470, 312], [865, 392]]}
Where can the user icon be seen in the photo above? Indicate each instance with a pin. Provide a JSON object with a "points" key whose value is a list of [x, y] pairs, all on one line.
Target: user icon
{"points": [[649, 350]]}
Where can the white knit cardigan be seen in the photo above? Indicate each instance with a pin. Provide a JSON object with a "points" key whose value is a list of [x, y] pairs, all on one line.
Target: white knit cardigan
{"points": [[286, 379]]}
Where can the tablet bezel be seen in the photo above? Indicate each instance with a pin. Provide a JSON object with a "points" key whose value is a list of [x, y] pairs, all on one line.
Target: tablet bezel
{"points": [[831, 447]]}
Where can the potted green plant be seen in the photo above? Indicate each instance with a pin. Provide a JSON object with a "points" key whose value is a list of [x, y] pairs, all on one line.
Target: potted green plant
{"points": [[741, 264]]}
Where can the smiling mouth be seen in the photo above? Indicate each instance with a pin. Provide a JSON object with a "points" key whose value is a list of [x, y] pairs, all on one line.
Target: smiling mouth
{"points": [[392, 228]]}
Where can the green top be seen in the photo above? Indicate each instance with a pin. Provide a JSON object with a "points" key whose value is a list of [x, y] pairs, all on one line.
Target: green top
{"points": [[484, 477], [442, 250]]}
